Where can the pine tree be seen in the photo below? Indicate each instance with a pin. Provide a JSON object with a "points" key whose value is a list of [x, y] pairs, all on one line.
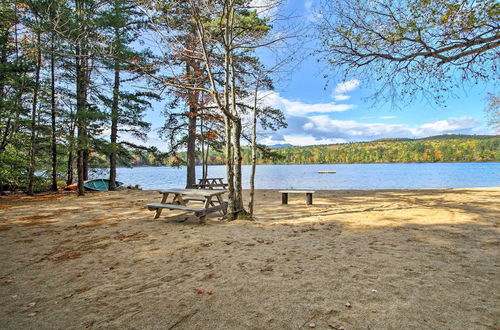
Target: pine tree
{"points": [[123, 24]]}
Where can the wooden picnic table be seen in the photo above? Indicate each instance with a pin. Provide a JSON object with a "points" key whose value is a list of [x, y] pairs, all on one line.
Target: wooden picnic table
{"points": [[212, 201], [210, 183]]}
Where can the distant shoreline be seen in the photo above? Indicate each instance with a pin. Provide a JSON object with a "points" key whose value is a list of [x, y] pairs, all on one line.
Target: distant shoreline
{"points": [[386, 163]]}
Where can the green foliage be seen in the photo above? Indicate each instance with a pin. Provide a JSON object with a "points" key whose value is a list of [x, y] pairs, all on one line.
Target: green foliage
{"points": [[443, 148], [428, 150], [434, 149]]}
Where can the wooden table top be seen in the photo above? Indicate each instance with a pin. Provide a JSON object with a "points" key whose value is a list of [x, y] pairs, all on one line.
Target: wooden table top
{"points": [[193, 192]]}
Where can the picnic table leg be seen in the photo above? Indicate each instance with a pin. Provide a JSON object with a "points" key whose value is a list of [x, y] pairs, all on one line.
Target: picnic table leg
{"points": [[179, 200], [309, 198], [284, 198], [208, 201], [158, 210], [221, 202]]}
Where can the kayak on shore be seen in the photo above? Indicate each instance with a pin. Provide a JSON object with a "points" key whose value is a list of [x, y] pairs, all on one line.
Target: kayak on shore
{"points": [[96, 184]]}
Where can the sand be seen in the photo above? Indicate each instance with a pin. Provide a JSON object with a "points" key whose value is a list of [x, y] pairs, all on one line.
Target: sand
{"points": [[386, 259]]}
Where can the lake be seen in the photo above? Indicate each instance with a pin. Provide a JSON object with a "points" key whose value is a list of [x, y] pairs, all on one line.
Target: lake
{"points": [[348, 176]]}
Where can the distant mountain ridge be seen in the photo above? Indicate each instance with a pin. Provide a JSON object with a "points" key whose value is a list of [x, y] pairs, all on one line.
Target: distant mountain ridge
{"points": [[434, 137], [440, 148]]}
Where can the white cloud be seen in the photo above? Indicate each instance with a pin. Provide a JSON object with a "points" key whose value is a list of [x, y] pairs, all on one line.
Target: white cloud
{"points": [[297, 108], [311, 123], [340, 91], [341, 97], [323, 127], [451, 125], [347, 86], [300, 140]]}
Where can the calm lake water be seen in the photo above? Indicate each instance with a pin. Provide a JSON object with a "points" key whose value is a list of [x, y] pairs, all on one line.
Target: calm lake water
{"points": [[348, 176]]}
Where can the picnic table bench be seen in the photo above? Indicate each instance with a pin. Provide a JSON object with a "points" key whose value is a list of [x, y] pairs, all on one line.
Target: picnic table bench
{"points": [[210, 183], [181, 197], [309, 195]]}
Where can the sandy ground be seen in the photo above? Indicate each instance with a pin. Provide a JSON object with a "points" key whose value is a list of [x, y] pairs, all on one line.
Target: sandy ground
{"points": [[387, 259]]}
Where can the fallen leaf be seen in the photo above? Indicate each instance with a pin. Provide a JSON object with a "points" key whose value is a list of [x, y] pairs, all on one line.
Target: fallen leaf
{"points": [[31, 304]]}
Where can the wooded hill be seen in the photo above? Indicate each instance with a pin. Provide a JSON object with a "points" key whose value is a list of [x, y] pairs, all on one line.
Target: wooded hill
{"points": [[442, 148], [434, 149]]}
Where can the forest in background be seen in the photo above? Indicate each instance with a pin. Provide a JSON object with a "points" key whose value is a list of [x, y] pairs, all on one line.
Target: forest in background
{"points": [[443, 148]]}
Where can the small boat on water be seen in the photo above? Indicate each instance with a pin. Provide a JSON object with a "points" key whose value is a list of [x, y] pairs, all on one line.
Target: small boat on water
{"points": [[327, 171], [96, 184]]}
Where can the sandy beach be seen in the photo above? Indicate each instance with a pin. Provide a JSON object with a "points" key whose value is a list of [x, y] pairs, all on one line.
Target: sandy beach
{"points": [[384, 259]]}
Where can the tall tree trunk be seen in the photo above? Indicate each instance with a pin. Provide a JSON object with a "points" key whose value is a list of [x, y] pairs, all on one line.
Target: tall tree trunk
{"points": [[205, 163], [229, 169], [191, 149], [53, 114], [254, 151], [80, 122], [69, 178], [202, 146], [191, 138], [71, 147], [236, 123], [229, 146], [82, 84], [85, 160], [31, 174], [114, 124], [238, 190], [227, 118]]}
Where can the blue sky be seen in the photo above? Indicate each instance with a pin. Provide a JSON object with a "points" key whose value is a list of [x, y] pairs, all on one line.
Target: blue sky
{"points": [[321, 112]]}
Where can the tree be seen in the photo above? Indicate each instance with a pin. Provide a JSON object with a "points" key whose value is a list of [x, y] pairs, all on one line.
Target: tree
{"points": [[76, 24], [270, 118], [14, 81], [412, 47], [236, 31], [186, 80], [123, 24], [37, 46]]}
